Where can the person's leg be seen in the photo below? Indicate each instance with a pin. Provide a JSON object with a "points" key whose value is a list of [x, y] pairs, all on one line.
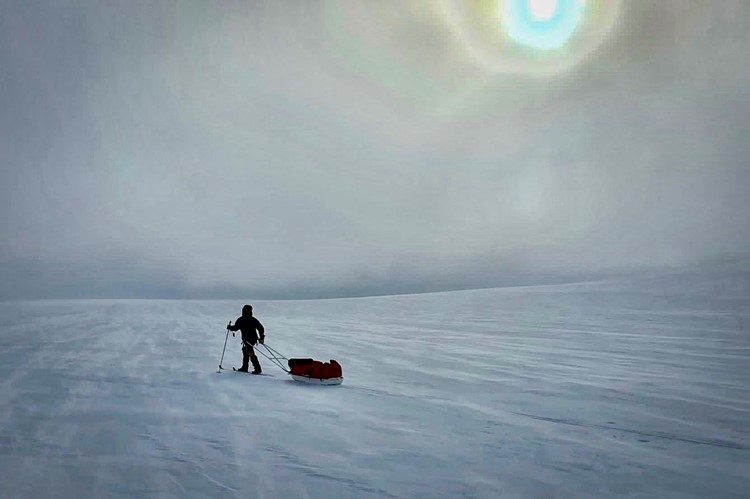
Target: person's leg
{"points": [[247, 350], [254, 360]]}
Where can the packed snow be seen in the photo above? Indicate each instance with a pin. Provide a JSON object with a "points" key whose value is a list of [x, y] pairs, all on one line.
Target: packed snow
{"points": [[623, 388]]}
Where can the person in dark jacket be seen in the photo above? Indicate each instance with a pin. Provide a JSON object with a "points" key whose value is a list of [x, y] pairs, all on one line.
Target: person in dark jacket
{"points": [[252, 333]]}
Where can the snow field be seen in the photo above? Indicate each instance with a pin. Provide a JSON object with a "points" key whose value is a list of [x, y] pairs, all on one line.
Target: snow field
{"points": [[611, 389]]}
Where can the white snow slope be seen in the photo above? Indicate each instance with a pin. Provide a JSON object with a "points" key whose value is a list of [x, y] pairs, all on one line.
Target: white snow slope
{"points": [[614, 389]]}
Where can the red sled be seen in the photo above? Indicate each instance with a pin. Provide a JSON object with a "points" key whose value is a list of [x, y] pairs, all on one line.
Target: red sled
{"points": [[316, 372]]}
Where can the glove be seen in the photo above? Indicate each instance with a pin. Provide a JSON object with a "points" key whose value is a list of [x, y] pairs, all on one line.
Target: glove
{"points": [[262, 340]]}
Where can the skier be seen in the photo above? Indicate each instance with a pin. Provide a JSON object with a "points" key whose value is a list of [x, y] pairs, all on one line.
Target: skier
{"points": [[252, 333]]}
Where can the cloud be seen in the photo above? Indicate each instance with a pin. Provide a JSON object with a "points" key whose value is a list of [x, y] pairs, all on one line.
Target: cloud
{"points": [[286, 149]]}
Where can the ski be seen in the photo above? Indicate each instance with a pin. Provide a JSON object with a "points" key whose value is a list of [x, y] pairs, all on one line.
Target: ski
{"points": [[250, 372]]}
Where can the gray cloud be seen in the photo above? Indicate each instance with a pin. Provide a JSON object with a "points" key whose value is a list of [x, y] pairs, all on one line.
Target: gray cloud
{"points": [[187, 149]]}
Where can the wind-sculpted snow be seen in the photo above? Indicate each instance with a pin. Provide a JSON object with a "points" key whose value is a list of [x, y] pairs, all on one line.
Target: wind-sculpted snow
{"points": [[612, 389]]}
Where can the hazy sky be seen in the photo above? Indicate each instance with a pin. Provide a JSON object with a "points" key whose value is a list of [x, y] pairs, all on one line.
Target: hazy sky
{"points": [[310, 148]]}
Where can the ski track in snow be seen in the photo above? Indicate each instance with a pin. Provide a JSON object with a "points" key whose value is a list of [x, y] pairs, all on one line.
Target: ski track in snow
{"points": [[610, 389]]}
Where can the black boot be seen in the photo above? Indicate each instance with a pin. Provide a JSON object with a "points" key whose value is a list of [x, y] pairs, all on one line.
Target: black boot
{"points": [[256, 364], [245, 358]]}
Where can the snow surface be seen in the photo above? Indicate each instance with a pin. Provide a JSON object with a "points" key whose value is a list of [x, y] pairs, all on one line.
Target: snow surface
{"points": [[635, 388]]}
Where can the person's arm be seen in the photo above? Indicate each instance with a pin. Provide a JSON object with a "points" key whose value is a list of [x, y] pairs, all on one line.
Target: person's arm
{"points": [[261, 331], [235, 327]]}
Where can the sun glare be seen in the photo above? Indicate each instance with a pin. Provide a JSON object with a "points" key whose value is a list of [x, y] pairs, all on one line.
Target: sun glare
{"points": [[538, 37], [543, 10], [541, 24]]}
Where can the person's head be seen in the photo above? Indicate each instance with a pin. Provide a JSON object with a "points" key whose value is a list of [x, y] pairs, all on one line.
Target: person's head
{"points": [[247, 310]]}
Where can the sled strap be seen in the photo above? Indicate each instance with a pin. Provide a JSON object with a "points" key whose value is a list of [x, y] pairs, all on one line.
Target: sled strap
{"points": [[273, 356]]}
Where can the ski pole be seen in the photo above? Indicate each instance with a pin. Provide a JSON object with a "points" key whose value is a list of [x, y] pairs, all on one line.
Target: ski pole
{"points": [[222, 352]]}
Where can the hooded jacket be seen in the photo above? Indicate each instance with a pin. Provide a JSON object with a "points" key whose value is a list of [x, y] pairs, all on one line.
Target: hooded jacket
{"points": [[251, 328]]}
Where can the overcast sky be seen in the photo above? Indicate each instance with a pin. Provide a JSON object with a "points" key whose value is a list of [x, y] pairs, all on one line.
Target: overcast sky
{"points": [[317, 148]]}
